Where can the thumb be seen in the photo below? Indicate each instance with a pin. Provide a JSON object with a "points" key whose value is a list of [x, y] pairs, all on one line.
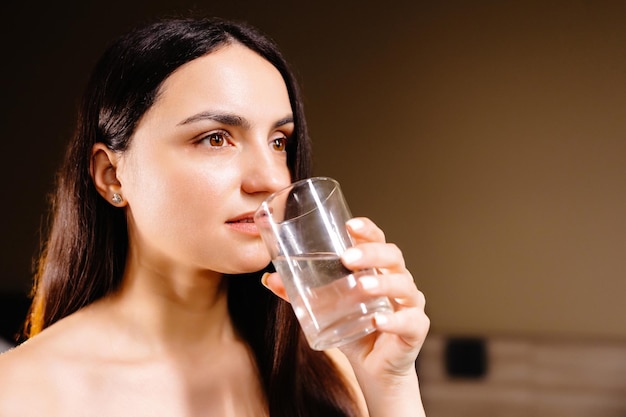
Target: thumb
{"points": [[274, 283]]}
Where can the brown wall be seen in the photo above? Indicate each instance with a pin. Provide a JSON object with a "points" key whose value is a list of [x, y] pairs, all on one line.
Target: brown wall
{"points": [[487, 138]]}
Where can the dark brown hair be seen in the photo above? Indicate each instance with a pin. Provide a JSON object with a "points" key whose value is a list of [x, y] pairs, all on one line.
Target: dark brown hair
{"points": [[84, 255]]}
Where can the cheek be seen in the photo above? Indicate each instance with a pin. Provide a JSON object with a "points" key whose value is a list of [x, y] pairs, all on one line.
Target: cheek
{"points": [[174, 201]]}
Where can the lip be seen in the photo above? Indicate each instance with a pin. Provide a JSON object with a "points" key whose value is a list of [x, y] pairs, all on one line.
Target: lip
{"points": [[244, 223]]}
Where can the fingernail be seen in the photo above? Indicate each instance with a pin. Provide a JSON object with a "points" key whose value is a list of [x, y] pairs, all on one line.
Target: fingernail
{"points": [[264, 279], [381, 319], [355, 224], [352, 255], [368, 282]]}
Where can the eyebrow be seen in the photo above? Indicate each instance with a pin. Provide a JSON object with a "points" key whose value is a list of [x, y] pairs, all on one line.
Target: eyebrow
{"points": [[284, 121], [229, 119]]}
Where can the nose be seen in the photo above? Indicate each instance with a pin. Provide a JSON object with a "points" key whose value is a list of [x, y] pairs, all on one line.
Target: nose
{"points": [[265, 171]]}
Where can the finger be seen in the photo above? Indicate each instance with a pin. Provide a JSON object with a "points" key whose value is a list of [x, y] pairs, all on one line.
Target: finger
{"points": [[410, 325], [274, 283], [374, 255], [400, 288], [363, 229]]}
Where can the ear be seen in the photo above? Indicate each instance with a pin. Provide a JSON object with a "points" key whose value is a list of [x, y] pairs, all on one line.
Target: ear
{"points": [[102, 169]]}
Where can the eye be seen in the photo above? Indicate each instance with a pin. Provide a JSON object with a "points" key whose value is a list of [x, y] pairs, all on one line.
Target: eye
{"points": [[279, 144], [216, 139]]}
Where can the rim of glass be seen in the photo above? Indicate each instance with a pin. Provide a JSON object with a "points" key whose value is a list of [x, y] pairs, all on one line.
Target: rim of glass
{"points": [[298, 183]]}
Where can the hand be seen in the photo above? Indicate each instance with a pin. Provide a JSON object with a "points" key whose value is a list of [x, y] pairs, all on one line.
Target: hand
{"points": [[389, 353]]}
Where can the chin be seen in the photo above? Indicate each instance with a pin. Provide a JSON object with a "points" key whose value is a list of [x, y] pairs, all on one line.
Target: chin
{"points": [[253, 265], [255, 259]]}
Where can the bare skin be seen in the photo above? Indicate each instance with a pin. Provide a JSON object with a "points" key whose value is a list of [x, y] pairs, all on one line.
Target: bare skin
{"points": [[202, 159], [164, 345], [89, 365]]}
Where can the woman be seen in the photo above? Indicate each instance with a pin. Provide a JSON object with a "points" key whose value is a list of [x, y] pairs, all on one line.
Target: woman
{"points": [[148, 298]]}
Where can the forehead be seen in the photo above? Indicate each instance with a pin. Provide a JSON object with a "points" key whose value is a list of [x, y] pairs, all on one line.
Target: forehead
{"points": [[233, 76]]}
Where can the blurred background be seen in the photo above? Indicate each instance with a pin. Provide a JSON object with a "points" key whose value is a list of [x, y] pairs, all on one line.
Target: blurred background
{"points": [[487, 138]]}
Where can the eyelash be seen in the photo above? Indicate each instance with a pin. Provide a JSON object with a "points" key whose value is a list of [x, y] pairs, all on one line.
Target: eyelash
{"points": [[224, 136], [284, 142]]}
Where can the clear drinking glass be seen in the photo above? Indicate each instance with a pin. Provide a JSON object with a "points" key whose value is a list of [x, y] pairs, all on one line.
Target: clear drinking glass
{"points": [[303, 227]]}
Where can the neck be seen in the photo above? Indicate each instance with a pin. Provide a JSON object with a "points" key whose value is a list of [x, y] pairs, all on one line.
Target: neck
{"points": [[174, 312]]}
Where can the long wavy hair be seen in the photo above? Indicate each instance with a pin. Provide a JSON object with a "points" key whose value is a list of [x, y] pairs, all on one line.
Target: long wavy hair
{"points": [[83, 257]]}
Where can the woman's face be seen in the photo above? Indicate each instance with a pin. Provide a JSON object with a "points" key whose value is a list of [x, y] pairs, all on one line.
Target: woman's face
{"points": [[202, 159]]}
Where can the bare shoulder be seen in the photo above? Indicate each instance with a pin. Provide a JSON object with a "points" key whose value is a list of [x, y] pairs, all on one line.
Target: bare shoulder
{"points": [[14, 362], [23, 376], [342, 363], [31, 373], [21, 361]]}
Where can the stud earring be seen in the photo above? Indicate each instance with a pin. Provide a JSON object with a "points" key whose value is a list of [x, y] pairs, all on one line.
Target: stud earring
{"points": [[116, 198]]}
